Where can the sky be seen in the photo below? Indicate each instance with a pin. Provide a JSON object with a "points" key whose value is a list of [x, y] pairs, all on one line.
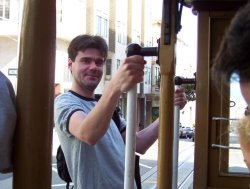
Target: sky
{"points": [[186, 43], [186, 48]]}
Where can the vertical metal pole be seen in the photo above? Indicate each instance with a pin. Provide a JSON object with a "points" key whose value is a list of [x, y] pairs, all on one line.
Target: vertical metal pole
{"points": [[133, 49], [142, 121], [130, 139], [176, 146], [35, 96]]}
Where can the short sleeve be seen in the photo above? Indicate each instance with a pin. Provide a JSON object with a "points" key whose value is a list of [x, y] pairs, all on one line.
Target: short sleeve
{"points": [[64, 107]]}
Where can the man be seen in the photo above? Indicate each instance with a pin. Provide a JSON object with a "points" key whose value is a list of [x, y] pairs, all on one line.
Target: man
{"points": [[233, 57], [93, 146]]}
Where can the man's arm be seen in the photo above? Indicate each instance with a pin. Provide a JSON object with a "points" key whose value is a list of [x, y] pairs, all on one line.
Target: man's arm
{"points": [[91, 127], [146, 137]]}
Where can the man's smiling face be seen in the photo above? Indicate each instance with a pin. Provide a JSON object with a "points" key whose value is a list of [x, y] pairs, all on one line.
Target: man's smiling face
{"points": [[87, 69]]}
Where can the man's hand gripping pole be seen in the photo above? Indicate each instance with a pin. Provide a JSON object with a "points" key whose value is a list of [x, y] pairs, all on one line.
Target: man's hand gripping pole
{"points": [[133, 49]]}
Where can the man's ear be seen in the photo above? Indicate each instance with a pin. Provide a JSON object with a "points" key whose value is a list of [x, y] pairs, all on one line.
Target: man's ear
{"points": [[70, 62]]}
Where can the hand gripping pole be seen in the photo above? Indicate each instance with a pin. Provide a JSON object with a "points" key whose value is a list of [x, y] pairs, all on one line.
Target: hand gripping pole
{"points": [[133, 49], [178, 82], [176, 144]]}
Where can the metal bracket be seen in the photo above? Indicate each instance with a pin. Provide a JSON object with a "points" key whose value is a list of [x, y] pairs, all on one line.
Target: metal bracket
{"points": [[225, 147], [167, 21]]}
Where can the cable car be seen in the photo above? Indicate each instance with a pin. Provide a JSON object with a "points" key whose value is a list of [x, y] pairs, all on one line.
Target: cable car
{"points": [[214, 111]]}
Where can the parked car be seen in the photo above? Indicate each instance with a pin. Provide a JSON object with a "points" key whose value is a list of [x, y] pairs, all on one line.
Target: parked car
{"points": [[186, 132], [182, 132], [193, 134], [189, 132]]}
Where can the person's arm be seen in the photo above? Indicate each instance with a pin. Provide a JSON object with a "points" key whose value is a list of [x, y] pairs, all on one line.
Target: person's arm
{"points": [[91, 127], [146, 137]]}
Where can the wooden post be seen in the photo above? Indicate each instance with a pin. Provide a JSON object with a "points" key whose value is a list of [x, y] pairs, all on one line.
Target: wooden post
{"points": [[35, 96], [167, 66]]}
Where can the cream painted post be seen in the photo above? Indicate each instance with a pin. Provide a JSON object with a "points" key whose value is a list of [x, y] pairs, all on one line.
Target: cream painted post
{"points": [[35, 96], [167, 67]]}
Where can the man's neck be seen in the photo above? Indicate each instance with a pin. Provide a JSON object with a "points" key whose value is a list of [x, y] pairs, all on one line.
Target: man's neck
{"points": [[85, 93]]}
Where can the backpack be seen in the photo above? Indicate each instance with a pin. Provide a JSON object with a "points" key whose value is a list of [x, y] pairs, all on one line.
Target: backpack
{"points": [[62, 168]]}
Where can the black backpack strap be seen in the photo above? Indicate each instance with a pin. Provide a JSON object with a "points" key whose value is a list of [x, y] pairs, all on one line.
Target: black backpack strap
{"points": [[137, 172], [116, 119], [62, 167], [68, 186]]}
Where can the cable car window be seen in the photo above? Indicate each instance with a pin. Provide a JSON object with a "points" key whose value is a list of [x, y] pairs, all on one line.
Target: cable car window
{"points": [[230, 155], [236, 160]]}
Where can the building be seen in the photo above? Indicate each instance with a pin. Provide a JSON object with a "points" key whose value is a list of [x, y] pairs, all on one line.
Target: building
{"points": [[120, 22]]}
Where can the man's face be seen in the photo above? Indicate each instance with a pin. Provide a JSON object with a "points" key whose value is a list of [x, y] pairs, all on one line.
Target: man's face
{"points": [[87, 69]]}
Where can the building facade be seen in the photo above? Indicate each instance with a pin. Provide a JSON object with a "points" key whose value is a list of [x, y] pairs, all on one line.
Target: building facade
{"points": [[119, 22]]}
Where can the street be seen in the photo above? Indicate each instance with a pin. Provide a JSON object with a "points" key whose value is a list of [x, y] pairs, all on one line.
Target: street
{"points": [[148, 166]]}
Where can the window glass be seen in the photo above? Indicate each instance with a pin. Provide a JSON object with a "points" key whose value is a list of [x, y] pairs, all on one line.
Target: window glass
{"points": [[237, 110], [4, 9], [230, 154], [108, 69]]}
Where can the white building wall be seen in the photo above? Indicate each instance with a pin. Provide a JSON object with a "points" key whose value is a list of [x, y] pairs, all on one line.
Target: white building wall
{"points": [[15, 5], [101, 8], [136, 21], [121, 32], [71, 21], [148, 42], [71, 18]]}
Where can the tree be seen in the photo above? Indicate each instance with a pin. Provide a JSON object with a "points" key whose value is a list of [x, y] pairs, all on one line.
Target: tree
{"points": [[190, 91]]}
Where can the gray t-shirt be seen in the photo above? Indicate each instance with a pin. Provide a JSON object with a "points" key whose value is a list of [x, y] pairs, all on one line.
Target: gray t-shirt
{"points": [[99, 166]]}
